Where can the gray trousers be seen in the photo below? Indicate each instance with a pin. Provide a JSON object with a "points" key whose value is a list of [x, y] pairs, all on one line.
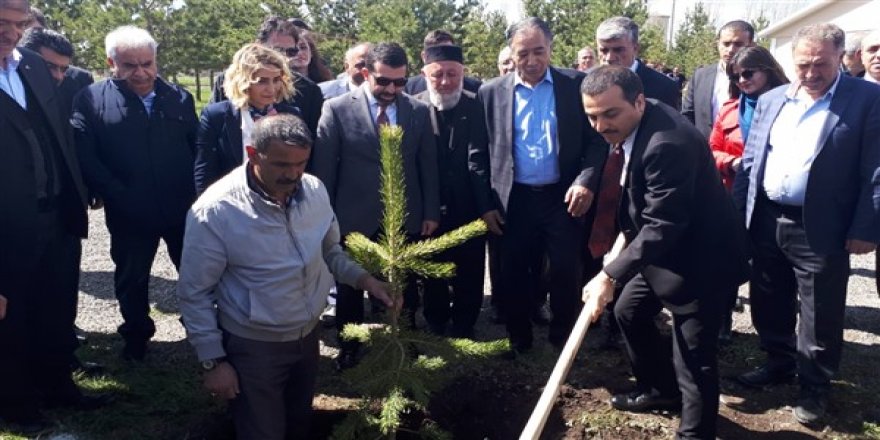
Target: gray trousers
{"points": [[277, 382]]}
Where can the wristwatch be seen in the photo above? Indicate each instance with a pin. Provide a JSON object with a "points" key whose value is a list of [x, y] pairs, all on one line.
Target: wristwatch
{"points": [[210, 364]]}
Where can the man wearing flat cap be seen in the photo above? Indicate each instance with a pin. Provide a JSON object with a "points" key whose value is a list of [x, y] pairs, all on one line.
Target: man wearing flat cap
{"points": [[465, 195]]}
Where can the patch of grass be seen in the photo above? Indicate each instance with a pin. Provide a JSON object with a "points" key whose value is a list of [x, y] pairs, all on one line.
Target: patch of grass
{"points": [[871, 430]]}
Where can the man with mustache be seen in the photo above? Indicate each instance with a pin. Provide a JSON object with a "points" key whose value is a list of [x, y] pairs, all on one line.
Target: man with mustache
{"points": [[352, 78], [465, 195], [811, 199], [346, 159], [136, 134], [260, 254], [684, 246]]}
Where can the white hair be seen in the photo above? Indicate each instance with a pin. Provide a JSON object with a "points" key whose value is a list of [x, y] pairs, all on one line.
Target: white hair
{"points": [[616, 28], [128, 37]]}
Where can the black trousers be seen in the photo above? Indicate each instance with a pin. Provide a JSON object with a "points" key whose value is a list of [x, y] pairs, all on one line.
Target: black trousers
{"points": [[133, 253], [540, 285], [790, 279], [36, 342], [538, 223], [460, 297], [277, 382], [688, 365]]}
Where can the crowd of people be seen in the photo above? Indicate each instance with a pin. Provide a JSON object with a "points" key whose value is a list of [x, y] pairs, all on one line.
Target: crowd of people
{"points": [[605, 186]]}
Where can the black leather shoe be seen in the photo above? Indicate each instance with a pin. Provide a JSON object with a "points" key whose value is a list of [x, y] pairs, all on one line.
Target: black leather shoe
{"points": [[763, 377], [516, 349], [346, 359], [78, 401], [638, 401], [90, 369], [541, 315], [810, 410]]}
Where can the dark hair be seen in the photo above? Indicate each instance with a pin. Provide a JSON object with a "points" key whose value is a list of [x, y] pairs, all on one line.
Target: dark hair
{"points": [[821, 32], [756, 58], [389, 54], [437, 37], [38, 38], [603, 78], [277, 25], [529, 23], [38, 17], [317, 70], [738, 26], [287, 128], [300, 23], [16, 5]]}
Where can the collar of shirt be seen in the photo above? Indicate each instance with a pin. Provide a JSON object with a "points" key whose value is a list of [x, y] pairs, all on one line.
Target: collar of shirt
{"points": [[635, 65], [627, 152], [870, 78], [148, 101], [796, 93], [12, 61], [518, 81], [391, 110]]}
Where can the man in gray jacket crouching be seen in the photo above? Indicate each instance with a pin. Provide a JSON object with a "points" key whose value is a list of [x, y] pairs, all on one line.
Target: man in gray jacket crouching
{"points": [[260, 253]]}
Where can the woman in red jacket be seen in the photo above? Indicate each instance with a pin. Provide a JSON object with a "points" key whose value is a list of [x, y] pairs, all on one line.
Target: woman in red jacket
{"points": [[752, 71]]}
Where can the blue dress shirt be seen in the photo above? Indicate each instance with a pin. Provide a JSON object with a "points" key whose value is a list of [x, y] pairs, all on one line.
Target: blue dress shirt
{"points": [[10, 81], [535, 141]]}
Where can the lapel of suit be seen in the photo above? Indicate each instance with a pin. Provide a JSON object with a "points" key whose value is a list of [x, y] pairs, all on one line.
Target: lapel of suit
{"points": [[564, 122], [361, 108], [838, 105], [404, 114], [10, 109], [46, 94], [232, 117], [761, 132], [505, 111]]}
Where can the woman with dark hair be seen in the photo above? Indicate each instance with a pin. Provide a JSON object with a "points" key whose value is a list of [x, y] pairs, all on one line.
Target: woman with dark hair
{"points": [[752, 71], [308, 61]]}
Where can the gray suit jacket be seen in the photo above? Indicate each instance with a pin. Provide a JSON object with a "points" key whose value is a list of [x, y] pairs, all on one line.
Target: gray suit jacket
{"points": [[334, 87], [581, 150], [346, 159], [697, 105], [843, 188]]}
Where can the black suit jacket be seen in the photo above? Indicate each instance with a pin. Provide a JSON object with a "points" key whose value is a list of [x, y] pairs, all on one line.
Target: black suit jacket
{"points": [[18, 204], [140, 164], [581, 151], [308, 98], [418, 84], [75, 79], [684, 235], [219, 141], [697, 106], [464, 191], [659, 86]]}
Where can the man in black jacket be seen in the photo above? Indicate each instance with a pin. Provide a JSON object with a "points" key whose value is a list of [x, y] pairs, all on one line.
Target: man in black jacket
{"points": [[465, 195], [135, 134], [42, 219], [684, 245]]}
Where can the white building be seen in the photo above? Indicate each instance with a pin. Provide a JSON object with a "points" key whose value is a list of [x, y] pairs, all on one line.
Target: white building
{"points": [[853, 16]]}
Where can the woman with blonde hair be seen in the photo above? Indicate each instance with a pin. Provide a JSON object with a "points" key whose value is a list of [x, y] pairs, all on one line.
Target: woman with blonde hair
{"points": [[258, 83]]}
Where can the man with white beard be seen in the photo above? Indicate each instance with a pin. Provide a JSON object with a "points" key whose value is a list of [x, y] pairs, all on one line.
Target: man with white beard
{"points": [[465, 194]]}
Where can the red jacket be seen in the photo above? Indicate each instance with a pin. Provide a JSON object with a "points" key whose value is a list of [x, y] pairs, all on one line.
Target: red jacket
{"points": [[726, 141]]}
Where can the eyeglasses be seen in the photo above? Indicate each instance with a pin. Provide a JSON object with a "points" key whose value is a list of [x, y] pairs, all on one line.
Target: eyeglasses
{"points": [[385, 82], [289, 52], [360, 65], [745, 74]]}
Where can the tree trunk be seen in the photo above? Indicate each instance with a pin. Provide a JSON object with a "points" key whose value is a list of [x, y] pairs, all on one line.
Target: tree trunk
{"points": [[198, 85]]}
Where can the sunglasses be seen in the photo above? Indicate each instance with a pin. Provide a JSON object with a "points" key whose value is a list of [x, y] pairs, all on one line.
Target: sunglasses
{"points": [[289, 52], [385, 82], [745, 74]]}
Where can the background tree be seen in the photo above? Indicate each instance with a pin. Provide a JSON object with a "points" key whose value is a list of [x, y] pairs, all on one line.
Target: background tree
{"points": [[483, 39], [695, 41]]}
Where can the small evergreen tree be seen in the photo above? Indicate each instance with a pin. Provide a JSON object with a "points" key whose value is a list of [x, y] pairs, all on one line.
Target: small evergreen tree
{"points": [[401, 368]]}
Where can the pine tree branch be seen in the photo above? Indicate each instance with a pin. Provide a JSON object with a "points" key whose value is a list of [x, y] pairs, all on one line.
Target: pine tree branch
{"points": [[451, 239]]}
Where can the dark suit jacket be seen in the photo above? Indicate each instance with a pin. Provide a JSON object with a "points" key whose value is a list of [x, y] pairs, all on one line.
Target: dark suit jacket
{"points": [[418, 84], [684, 235], [18, 205], [219, 141], [75, 79], [697, 106], [346, 159], [464, 191], [659, 86], [843, 189], [581, 151], [141, 165], [308, 99]]}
